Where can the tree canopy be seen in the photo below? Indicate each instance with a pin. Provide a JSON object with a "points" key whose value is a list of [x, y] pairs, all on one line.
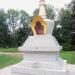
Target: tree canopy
{"points": [[15, 26], [49, 12], [62, 33]]}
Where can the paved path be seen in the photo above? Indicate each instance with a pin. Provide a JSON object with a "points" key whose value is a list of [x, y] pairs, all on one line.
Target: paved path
{"points": [[7, 70], [71, 69]]}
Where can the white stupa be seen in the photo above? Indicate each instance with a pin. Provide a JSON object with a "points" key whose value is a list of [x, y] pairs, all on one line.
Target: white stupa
{"points": [[41, 51]]}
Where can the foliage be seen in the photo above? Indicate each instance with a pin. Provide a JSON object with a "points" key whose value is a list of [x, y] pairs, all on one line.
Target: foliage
{"points": [[65, 21], [62, 33], [36, 12], [12, 19], [21, 35], [3, 29], [24, 18], [49, 12], [14, 28]]}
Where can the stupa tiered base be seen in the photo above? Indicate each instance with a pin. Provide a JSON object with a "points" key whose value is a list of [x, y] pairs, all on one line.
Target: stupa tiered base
{"points": [[41, 57], [53, 67]]}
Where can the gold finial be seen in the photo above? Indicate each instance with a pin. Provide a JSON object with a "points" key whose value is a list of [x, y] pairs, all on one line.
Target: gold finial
{"points": [[42, 0]]}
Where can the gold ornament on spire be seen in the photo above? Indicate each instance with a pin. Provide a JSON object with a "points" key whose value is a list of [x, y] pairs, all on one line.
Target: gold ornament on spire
{"points": [[42, 0]]}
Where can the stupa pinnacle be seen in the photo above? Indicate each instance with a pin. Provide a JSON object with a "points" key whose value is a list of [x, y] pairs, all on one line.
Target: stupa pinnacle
{"points": [[42, 11]]}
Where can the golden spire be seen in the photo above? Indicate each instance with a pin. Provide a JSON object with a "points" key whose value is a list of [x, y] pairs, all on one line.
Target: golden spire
{"points": [[42, 11]]}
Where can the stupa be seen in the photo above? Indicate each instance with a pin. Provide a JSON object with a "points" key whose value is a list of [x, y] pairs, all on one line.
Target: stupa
{"points": [[41, 51]]}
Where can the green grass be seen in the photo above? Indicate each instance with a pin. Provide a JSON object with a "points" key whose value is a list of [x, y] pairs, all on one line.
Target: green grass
{"points": [[69, 56], [6, 60], [8, 50]]}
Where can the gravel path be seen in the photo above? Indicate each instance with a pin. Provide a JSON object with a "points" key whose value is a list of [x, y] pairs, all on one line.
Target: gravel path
{"points": [[7, 70]]}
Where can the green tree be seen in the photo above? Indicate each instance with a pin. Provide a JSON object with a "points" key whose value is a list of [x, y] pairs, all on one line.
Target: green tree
{"points": [[23, 32], [63, 33], [36, 12], [24, 18], [3, 29], [21, 35], [49, 12], [14, 28], [12, 19]]}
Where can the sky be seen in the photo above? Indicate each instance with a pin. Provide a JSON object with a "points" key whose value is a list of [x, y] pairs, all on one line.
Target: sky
{"points": [[30, 5]]}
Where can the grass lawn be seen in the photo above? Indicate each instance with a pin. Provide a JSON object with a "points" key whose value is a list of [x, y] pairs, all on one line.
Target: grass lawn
{"points": [[8, 50], [6, 60], [69, 56]]}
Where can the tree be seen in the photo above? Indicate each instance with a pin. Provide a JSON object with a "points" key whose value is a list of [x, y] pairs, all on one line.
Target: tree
{"points": [[12, 19], [14, 28], [3, 29], [23, 32], [73, 25], [21, 35], [63, 33], [49, 12], [24, 18], [36, 12]]}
